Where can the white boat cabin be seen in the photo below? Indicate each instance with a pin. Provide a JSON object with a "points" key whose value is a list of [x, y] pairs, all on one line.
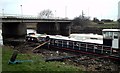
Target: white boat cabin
{"points": [[111, 37]]}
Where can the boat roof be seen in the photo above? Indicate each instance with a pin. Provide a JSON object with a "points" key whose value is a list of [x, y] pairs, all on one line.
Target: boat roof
{"points": [[112, 30], [83, 39], [91, 35]]}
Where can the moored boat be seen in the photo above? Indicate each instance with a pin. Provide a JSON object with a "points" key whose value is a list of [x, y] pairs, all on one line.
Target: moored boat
{"points": [[108, 44]]}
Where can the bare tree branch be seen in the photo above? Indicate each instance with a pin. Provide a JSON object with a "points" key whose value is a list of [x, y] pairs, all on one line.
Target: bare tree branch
{"points": [[46, 14]]}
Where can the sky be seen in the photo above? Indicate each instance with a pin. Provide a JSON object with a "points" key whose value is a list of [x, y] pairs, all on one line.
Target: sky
{"points": [[101, 9]]}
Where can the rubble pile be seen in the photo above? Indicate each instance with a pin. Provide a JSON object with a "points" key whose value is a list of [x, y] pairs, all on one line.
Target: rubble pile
{"points": [[98, 65]]}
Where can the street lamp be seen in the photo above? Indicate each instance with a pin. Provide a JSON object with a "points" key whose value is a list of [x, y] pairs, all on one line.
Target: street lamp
{"points": [[65, 11], [55, 15], [21, 11], [56, 24], [3, 12]]}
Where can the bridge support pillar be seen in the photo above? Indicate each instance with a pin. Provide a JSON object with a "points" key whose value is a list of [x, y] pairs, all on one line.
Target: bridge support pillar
{"points": [[65, 29], [54, 28], [12, 32], [50, 28]]}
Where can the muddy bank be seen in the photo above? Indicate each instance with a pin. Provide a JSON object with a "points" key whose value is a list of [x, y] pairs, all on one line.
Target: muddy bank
{"points": [[85, 62]]}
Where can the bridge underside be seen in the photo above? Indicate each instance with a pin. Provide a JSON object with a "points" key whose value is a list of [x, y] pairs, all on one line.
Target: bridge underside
{"points": [[64, 29], [13, 31], [48, 28], [18, 30], [53, 28]]}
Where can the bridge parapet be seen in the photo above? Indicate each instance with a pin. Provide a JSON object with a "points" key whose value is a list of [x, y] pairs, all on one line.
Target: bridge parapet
{"points": [[32, 20], [14, 19], [25, 18]]}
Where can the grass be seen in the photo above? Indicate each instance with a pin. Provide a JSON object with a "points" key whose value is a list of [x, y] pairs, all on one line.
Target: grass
{"points": [[0, 59], [38, 63], [105, 25]]}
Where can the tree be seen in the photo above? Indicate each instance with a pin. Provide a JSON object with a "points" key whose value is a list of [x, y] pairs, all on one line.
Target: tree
{"points": [[118, 23], [95, 20], [46, 14], [106, 20], [81, 21]]}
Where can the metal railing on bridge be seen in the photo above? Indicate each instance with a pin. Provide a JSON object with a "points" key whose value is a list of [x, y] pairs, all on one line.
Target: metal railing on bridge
{"points": [[27, 16]]}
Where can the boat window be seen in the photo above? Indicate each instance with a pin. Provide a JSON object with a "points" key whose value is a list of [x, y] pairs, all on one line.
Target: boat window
{"points": [[119, 35], [56, 41], [110, 34], [77, 44], [115, 35], [70, 43], [59, 41], [107, 34], [67, 42], [52, 41]]}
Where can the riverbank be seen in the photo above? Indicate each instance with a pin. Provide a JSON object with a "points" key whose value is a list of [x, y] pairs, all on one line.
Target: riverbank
{"points": [[0, 58], [38, 63]]}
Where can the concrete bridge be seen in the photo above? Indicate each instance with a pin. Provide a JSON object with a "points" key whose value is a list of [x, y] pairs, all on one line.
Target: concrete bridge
{"points": [[15, 27]]}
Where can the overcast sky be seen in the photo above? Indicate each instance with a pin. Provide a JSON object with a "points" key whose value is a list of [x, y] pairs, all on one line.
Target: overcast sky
{"points": [[102, 9]]}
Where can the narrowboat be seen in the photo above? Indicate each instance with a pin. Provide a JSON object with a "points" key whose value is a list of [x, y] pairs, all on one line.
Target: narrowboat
{"points": [[107, 44]]}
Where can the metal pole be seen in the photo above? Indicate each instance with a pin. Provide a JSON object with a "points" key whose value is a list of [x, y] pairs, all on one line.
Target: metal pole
{"points": [[67, 44], [21, 11], [73, 45], [3, 12], [70, 28], [79, 45], [65, 11], [56, 24], [55, 14], [94, 48], [86, 46], [102, 50], [83, 14]]}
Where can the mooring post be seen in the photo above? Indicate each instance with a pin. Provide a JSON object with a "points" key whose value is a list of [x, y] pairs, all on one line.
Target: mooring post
{"points": [[13, 57]]}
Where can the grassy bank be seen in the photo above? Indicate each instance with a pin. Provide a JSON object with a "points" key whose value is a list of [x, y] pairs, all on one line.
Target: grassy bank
{"points": [[95, 28], [38, 63], [0, 58], [105, 25]]}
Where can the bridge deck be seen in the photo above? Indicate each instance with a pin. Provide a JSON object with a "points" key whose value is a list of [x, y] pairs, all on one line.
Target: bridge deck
{"points": [[29, 19]]}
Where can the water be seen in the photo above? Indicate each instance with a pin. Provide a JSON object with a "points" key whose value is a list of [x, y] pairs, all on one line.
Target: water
{"points": [[31, 31], [76, 36]]}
